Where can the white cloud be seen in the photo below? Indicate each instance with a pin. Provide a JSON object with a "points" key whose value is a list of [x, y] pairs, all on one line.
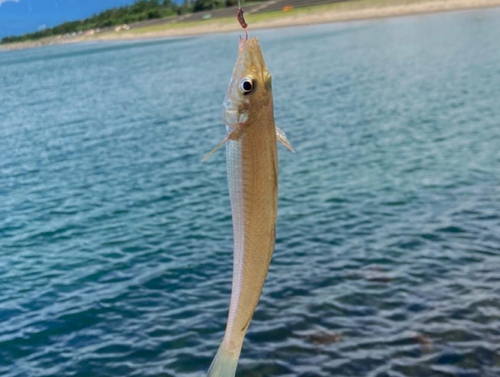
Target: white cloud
{"points": [[4, 1], [42, 27]]}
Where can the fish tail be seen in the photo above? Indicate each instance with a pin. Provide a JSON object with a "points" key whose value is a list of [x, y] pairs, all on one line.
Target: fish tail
{"points": [[224, 364]]}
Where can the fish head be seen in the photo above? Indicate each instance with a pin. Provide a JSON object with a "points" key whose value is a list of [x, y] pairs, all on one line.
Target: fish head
{"points": [[250, 87]]}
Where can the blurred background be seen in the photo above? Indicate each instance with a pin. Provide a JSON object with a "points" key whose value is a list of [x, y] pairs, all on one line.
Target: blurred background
{"points": [[116, 240]]}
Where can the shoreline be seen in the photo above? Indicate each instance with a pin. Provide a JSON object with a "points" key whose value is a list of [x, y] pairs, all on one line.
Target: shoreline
{"points": [[323, 14]]}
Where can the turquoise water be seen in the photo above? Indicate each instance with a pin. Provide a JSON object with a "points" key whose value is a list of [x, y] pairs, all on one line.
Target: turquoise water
{"points": [[115, 240]]}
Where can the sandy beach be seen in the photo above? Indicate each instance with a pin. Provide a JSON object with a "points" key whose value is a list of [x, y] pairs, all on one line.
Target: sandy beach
{"points": [[338, 12]]}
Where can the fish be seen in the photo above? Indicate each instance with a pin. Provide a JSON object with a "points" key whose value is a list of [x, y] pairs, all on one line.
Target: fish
{"points": [[252, 170]]}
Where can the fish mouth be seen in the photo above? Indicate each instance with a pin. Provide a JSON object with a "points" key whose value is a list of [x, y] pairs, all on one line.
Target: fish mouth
{"points": [[248, 43], [250, 55]]}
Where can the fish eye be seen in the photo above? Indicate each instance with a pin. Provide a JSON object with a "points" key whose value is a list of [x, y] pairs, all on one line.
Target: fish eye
{"points": [[246, 85]]}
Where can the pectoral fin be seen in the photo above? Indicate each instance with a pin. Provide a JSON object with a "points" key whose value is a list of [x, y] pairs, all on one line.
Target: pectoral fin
{"points": [[280, 135], [216, 148], [233, 135]]}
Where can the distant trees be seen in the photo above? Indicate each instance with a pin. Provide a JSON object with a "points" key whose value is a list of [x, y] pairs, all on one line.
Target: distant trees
{"points": [[201, 5], [140, 10]]}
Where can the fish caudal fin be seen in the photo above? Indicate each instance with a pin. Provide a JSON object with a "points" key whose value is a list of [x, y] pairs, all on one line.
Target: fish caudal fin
{"points": [[223, 365], [280, 135]]}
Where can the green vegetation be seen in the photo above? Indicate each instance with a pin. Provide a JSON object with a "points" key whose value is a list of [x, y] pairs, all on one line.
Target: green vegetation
{"points": [[263, 17], [140, 10]]}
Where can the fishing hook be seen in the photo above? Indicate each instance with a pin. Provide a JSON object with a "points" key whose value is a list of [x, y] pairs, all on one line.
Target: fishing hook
{"points": [[241, 19]]}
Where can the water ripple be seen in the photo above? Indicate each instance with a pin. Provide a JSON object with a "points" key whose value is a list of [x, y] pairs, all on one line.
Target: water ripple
{"points": [[115, 240]]}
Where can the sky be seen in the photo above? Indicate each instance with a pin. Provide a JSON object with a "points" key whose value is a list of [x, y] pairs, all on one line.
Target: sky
{"points": [[25, 16]]}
